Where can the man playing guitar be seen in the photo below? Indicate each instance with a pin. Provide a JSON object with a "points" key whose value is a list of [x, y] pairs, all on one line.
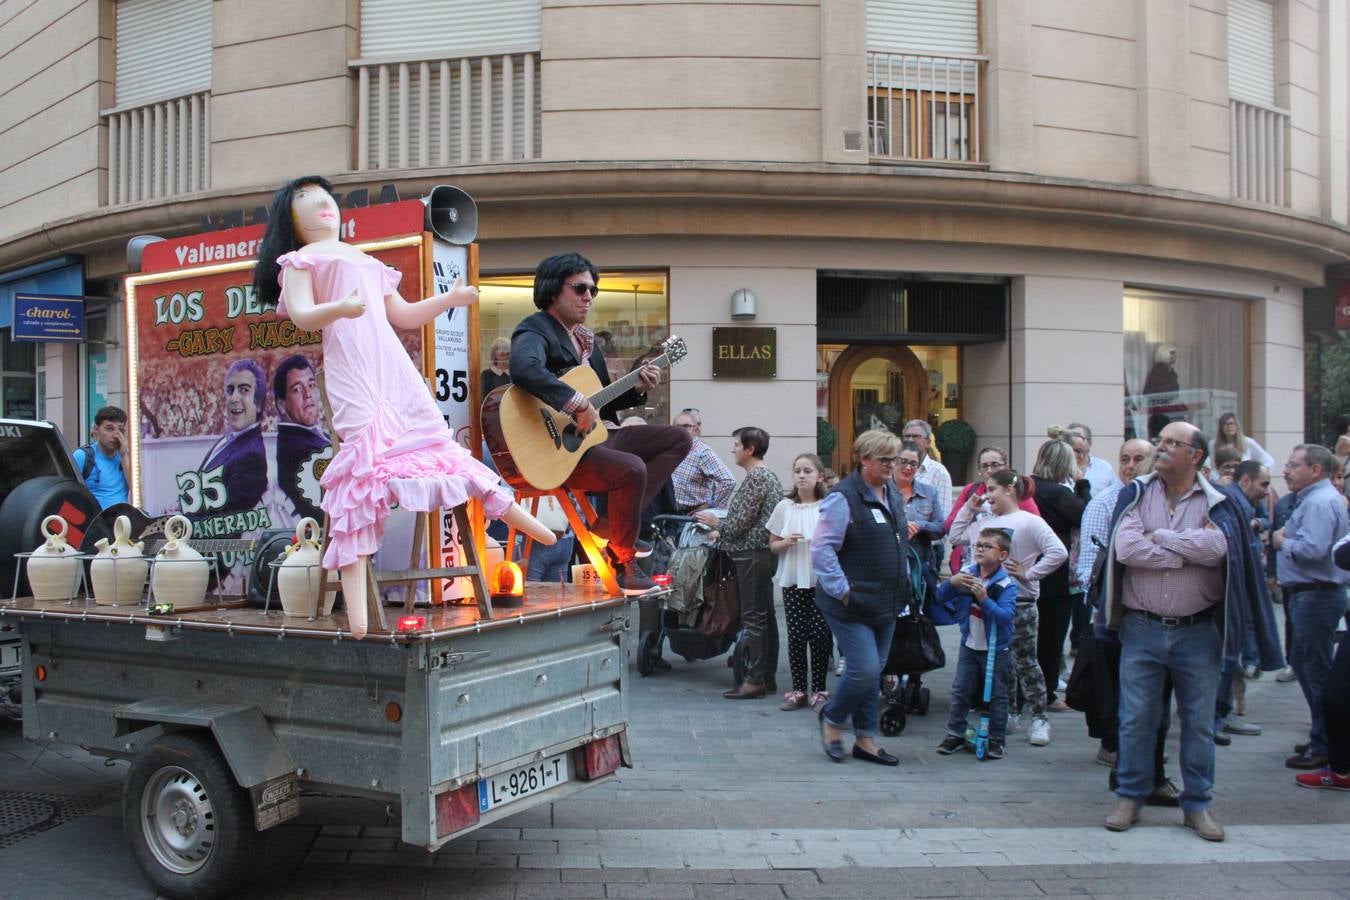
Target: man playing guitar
{"points": [[634, 463]]}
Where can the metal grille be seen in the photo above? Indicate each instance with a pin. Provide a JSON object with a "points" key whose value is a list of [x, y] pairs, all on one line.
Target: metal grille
{"points": [[24, 814], [900, 309]]}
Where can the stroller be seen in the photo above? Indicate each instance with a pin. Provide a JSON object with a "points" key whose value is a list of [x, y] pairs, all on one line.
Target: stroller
{"points": [[696, 617], [915, 649]]}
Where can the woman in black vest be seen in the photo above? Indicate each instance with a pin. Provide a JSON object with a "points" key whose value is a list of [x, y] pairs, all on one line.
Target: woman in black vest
{"points": [[858, 553]]}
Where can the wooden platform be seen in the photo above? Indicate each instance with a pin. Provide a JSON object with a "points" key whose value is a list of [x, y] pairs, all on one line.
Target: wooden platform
{"points": [[541, 601]]}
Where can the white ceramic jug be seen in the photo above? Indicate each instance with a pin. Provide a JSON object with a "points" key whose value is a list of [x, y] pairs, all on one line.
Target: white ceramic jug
{"points": [[300, 574], [118, 572], [53, 569], [181, 574]]}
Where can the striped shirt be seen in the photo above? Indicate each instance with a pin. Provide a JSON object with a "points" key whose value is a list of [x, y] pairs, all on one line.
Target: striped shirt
{"points": [[1173, 555]]}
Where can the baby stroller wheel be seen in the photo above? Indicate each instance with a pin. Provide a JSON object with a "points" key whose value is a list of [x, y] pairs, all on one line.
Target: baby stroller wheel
{"points": [[893, 719], [924, 696], [649, 648]]}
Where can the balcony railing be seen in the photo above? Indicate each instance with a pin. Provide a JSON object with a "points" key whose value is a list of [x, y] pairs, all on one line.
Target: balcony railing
{"points": [[159, 149], [1259, 137], [924, 107], [442, 112]]}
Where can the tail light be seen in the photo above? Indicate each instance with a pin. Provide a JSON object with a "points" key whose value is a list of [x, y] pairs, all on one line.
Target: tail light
{"points": [[457, 809], [598, 758]]}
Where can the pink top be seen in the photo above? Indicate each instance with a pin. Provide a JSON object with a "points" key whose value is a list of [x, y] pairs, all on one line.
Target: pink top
{"points": [[1174, 557], [395, 443]]}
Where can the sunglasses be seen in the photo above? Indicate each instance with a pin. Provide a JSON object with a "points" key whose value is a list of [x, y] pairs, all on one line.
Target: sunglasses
{"points": [[582, 288]]}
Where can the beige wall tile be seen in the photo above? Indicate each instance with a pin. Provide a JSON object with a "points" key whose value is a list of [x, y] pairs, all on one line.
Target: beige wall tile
{"points": [[787, 135], [1086, 154], [680, 83], [1209, 171], [254, 162], [309, 105], [306, 56], [1083, 57], [49, 127], [79, 192], [74, 155], [702, 295], [1104, 17], [1208, 79], [1208, 32], [53, 31], [635, 30], [1209, 123], [242, 21], [1082, 106]]}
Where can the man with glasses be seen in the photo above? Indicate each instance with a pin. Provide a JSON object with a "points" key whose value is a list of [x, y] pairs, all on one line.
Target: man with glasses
{"points": [[701, 480], [931, 472], [633, 464], [1313, 586], [1180, 587]]}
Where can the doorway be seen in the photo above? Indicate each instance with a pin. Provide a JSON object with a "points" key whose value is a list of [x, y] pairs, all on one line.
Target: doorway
{"points": [[873, 386]]}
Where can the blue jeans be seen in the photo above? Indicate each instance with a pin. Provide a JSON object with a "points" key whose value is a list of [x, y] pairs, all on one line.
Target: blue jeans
{"points": [[1312, 618], [857, 695], [549, 563], [1149, 651], [968, 689]]}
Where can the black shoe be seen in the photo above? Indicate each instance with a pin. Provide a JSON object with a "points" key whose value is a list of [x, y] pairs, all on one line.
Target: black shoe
{"points": [[993, 750], [642, 549], [833, 749], [881, 757], [1222, 739], [1307, 760], [950, 744], [1301, 748], [633, 582]]}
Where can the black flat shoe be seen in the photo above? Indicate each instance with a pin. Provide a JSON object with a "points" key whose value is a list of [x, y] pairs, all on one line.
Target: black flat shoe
{"points": [[833, 749], [881, 757]]}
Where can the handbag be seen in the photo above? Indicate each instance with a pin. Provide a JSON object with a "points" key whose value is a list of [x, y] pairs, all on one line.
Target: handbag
{"points": [[721, 612], [915, 648]]}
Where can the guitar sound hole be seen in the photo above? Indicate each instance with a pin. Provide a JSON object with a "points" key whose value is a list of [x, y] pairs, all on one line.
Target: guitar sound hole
{"points": [[572, 438]]}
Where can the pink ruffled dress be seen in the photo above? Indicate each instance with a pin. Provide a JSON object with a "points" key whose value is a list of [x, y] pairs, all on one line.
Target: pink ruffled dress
{"points": [[396, 447]]}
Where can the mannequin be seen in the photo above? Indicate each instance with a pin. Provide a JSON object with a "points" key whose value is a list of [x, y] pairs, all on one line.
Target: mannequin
{"points": [[395, 445]]}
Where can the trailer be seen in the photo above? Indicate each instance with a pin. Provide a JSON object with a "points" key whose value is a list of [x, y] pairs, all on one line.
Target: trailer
{"points": [[229, 714]]}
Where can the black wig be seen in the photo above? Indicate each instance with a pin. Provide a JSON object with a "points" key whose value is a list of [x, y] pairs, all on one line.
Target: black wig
{"points": [[280, 239]]}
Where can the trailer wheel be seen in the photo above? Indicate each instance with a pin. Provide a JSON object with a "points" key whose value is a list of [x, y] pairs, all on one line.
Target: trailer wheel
{"points": [[190, 825]]}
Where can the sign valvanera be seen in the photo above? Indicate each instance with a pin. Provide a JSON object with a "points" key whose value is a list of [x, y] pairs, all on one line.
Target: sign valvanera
{"points": [[745, 352], [48, 317]]}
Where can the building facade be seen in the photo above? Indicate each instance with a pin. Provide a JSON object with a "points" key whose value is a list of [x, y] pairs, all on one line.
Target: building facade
{"points": [[1010, 212]]}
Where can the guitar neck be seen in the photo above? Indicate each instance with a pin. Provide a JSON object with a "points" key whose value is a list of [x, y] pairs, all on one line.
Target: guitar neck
{"points": [[603, 397]]}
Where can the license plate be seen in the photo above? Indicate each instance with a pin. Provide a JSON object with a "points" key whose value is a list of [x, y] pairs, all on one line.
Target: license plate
{"points": [[522, 782]]}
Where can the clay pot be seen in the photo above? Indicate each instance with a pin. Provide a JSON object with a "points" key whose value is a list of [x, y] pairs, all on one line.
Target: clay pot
{"points": [[299, 573], [181, 574], [53, 569], [118, 571]]}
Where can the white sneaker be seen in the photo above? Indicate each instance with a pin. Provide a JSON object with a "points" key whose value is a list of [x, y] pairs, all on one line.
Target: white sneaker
{"points": [[1038, 735], [839, 667]]}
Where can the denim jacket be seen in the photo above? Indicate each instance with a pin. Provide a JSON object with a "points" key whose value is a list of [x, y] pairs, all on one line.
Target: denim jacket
{"points": [[999, 607]]}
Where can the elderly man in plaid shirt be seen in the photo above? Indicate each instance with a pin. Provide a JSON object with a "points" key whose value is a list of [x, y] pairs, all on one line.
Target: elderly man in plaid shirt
{"points": [[702, 481]]}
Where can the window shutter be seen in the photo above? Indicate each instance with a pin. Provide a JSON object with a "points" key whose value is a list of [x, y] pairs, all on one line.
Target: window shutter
{"points": [[434, 29], [1251, 51], [163, 49], [940, 27]]}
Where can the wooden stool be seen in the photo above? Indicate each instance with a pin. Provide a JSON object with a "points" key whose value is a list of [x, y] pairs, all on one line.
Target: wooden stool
{"points": [[580, 523]]}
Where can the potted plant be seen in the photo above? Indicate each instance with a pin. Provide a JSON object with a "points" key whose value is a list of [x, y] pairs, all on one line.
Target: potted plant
{"points": [[956, 442], [826, 439]]}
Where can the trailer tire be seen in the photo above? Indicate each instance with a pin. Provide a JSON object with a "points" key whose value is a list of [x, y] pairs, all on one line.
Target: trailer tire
{"points": [[190, 825]]}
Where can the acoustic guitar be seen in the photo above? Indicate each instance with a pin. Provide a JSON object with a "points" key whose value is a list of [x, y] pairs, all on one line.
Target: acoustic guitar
{"points": [[535, 446]]}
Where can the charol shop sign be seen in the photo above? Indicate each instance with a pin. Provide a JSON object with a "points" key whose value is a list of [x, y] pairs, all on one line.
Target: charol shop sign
{"points": [[48, 317]]}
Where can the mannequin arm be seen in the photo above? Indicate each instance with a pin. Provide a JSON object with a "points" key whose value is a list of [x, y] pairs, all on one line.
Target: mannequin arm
{"points": [[405, 315], [300, 306]]}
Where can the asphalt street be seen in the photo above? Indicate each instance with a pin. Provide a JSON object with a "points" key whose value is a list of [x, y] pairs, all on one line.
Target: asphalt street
{"points": [[736, 799]]}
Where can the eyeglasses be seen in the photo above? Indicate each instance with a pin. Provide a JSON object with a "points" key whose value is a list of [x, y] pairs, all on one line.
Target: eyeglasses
{"points": [[1171, 443], [992, 466], [981, 545], [915, 436], [689, 425], [885, 460], [907, 463], [582, 288]]}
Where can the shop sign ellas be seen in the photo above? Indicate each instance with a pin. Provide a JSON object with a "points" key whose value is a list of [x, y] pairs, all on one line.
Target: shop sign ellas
{"points": [[745, 352]]}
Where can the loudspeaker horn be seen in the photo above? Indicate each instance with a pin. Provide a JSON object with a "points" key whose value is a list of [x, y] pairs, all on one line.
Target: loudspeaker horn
{"points": [[136, 248], [451, 214]]}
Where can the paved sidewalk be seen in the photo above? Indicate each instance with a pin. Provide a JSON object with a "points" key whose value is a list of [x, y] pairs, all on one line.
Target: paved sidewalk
{"points": [[736, 799]]}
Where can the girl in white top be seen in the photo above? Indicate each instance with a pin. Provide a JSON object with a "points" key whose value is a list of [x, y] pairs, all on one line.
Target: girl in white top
{"points": [[790, 527], [1036, 552], [1230, 435]]}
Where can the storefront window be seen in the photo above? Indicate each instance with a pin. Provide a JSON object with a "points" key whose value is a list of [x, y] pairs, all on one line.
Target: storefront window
{"points": [[629, 317], [1185, 360], [18, 377]]}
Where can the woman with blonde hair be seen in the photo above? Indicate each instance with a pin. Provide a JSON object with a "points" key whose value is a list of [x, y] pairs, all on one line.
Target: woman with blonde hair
{"points": [[858, 553], [1230, 434]]}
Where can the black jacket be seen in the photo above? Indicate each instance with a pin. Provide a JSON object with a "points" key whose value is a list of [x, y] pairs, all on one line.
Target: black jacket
{"points": [[541, 350]]}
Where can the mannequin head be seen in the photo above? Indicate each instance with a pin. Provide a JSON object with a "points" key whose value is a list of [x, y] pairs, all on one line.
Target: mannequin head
{"points": [[281, 236]]}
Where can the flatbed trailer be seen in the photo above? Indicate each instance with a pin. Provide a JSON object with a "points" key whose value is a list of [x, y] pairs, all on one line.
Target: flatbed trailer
{"points": [[227, 713]]}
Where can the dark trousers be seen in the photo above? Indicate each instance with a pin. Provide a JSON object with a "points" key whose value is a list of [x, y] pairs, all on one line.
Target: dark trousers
{"points": [[630, 468], [1336, 707], [1056, 610], [807, 630], [754, 582]]}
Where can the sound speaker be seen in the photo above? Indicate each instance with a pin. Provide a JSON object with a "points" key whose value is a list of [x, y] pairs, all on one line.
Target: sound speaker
{"points": [[136, 247], [451, 214]]}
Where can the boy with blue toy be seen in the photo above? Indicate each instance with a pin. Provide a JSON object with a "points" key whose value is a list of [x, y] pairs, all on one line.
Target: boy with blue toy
{"points": [[981, 598]]}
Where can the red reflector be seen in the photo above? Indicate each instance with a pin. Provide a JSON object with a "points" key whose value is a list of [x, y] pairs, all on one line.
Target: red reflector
{"points": [[408, 624], [662, 580], [600, 757], [456, 810]]}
